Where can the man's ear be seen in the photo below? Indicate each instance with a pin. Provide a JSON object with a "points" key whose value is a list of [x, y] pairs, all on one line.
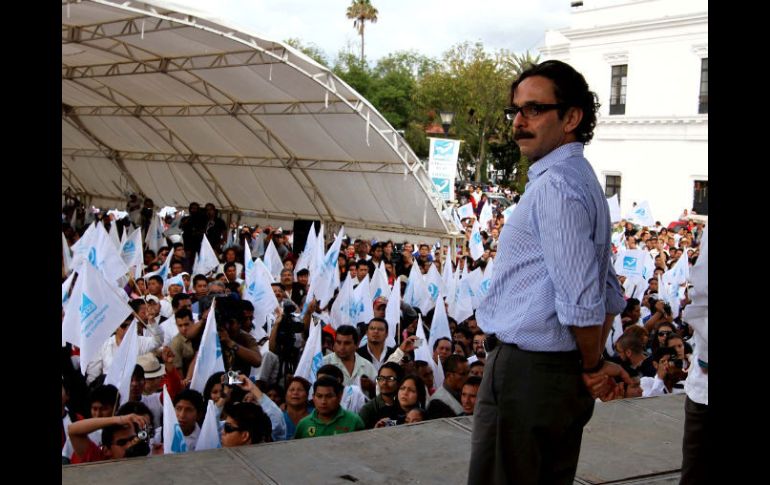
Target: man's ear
{"points": [[246, 437], [572, 118]]}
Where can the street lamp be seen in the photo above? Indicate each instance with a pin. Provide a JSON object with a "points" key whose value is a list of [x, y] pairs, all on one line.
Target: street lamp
{"points": [[446, 120]]}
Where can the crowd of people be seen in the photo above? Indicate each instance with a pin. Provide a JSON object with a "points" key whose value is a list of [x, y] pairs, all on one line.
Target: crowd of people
{"points": [[361, 383]]}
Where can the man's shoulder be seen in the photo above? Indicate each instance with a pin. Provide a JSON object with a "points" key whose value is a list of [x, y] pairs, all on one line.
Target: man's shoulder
{"points": [[363, 352]]}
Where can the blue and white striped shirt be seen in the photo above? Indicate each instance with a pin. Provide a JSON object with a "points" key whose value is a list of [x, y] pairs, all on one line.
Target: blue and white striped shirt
{"points": [[553, 258]]}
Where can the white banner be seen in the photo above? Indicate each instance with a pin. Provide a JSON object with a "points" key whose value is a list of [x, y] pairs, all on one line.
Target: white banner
{"points": [[442, 165]]}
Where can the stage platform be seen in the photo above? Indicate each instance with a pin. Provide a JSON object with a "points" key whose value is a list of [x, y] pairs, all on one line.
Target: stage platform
{"points": [[630, 441]]}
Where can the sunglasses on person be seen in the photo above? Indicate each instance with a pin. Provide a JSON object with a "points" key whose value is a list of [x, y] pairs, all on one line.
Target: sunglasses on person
{"points": [[229, 428], [665, 333], [386, 379]]}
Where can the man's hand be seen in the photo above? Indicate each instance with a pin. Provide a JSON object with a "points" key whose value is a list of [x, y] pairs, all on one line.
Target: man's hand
{"points": [[167, 355], [602, 384], [131, 419], [408, 344], [224, 338]]}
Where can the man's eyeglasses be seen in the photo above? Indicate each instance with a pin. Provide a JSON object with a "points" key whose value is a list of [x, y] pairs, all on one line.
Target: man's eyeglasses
{"points": [[229, 428], [529, 110], [665, 334], [386, 379], [125, 441]]}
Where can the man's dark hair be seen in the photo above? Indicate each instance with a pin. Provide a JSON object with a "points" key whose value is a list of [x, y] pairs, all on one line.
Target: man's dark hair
{"points": [[362, 262], [453, 362], [473, 381], [250, 417], [303, 272], [178, 298], [465, 331], [476, 363], [198, 278], [332, 371], [156, 278], [175, 262], [184, 312], [134, 407], [381, 320], [228, 266], [193, 397], [395, 368], [177, 245], [571, 90], [328, 382], [630, 341], [348, 330], [138, 373], [631, 303], [137, 303], [435, 344], [246, 305], [106, 394], [149, 252]]}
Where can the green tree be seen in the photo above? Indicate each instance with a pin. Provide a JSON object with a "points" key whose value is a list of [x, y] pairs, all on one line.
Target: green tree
{"points": [[361, 11], [474, 85], [311, 50], [356, 74]]}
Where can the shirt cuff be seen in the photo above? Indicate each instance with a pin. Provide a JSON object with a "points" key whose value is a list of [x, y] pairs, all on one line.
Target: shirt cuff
{"points": [[580, 315]]}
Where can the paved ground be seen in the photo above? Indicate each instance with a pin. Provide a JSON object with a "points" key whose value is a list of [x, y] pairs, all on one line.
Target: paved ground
{"points": [[627, 441]]}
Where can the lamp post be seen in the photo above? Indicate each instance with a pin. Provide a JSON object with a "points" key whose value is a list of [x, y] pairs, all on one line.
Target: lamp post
{"points": [[447, 117]]}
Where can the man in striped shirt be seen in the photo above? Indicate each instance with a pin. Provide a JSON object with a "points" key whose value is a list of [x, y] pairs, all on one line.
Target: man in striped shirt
{"points": [[553, 295]]}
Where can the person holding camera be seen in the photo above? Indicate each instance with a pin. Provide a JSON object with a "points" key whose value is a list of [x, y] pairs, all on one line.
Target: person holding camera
{"points": [[669, 375], [119, 433], [385, 404]]}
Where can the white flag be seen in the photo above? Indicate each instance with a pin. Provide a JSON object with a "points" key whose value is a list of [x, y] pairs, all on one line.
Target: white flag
{"points": [[474, 280], [327, 278], [463, 307], [174, 280], [164, 270], [614, 205], [340, 311], [258, 290], [476, 245], [65, 289], [131, 252], [207, 260], [641, 214], [393, 313], [361, 303], [416, 293], [634, 262], [457, 222], [123, 363], [154, 238], [507, 213], [486, 280], [273, 261], [312, 356], [209, 358], [306, 259], [94, 311], [439, 326], [113, 233], [173, 438], [66, 254], [80, 248], [100, 252], [425, 353], [680, 273], [317, 261], [434, 283], [209, 438], [465, 211], [485, 215], [379, 285]]}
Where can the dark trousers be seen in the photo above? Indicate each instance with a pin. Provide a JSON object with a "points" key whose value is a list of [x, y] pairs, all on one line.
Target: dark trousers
{"points": [[695, 446], [529, 417]]}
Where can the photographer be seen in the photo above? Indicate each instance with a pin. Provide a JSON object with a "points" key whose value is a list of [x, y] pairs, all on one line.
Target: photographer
{"points": [[119, 434], [669, 375], [286, 337]]}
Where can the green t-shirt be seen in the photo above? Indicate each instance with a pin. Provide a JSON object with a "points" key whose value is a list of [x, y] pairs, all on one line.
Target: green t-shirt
{"points": [[344, 422]]}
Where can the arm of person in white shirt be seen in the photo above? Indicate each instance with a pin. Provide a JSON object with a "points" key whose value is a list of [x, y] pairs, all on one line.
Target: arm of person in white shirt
{"points": [[268, 406]]}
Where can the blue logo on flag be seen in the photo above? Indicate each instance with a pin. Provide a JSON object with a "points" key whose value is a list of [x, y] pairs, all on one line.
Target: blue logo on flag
{"points": [[129, 248], [316, 364], [629, 263], [433, 289], [356, 308], [219, 347], [377, 293], [485, 286], [442, 186], [442, 148], [477, 238], [92, 256], [178, 444], [87, 307]]}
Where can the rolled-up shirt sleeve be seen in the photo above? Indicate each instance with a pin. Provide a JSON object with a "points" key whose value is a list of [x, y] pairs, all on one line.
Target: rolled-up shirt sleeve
{"points": [[564, 225]]}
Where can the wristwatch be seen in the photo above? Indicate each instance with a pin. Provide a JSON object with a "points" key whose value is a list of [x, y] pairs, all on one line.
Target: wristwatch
{"points": [[235, 348]]}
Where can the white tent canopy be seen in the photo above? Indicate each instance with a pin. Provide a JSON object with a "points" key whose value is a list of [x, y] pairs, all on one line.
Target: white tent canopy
{"points": [[164, 101]]}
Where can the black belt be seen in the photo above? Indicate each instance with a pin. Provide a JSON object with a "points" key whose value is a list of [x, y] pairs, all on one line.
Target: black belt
{"points": [[491, 341]]}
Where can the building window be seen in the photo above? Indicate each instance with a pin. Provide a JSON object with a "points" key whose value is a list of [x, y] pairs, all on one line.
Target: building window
{"points": [[700, 199], [703, 102], [618, 91], [612, 186]]}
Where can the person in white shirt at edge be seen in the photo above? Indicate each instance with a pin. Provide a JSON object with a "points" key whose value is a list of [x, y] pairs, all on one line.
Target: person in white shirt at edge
{"points": [[354, 368]]}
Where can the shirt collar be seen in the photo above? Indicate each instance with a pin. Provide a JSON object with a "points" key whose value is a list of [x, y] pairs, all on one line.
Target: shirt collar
{"points": [[569, 150]]}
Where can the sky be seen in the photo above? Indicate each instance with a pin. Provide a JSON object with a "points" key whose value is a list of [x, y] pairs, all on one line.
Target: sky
{"points": [[430, 27]]}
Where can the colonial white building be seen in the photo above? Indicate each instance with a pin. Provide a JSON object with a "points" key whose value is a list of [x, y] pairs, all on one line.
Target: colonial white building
{"points": [[647, 60]]}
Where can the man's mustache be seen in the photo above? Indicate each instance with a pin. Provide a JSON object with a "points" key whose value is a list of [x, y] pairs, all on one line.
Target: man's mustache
{"points": [[520, 135]]}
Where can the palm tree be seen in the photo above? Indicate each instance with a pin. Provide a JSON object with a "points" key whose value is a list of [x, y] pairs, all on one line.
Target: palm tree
{"points": [[361, 11]]}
